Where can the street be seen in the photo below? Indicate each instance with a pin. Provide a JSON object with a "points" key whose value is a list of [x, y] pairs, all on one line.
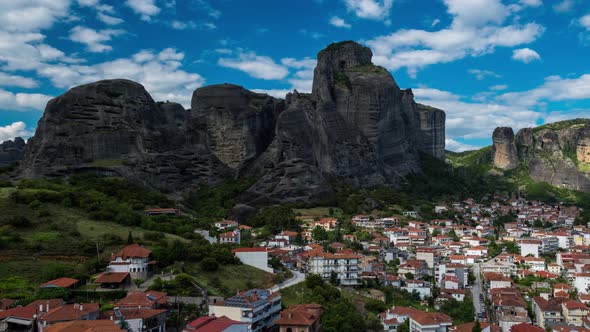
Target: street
{"points": [[297, 278], [477, 290]]}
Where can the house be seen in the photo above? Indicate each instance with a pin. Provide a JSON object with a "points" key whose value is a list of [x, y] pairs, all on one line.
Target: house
{"points": [[18, 319], [529, 247], [225, 224], [300, 318], [6, 304], [547, 312], [113, 279], [420, 286], [147, 299], [101, 325], [325, 223], [66, 313], [60, 283], [231, 237], [396, 315], [214, 324], [582, 282], [133, 259], [344, 263], [561, 288], [255, 257], [427, 255], [573, 312], [430, 322], [139, 319], [468, 327], [497, 280], [257, 307], [525, 327], [535, 264], [450, 282]]}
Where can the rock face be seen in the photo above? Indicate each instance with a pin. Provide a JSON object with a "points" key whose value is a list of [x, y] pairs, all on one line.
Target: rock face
{"points": [[357, 126], [557, 153], [504, 151], [11, 151]]}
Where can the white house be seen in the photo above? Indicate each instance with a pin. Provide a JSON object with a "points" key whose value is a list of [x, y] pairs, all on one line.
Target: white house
{"points": [[344, 264], [422, 287], [231, 237], [529, 247], [133, 259], [582, 282], [256, 257], [257, 307], [430, 322]]}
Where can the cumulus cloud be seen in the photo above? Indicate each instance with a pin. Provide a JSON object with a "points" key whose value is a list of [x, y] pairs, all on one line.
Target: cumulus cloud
{"points": [[564, 6], [338, 22], [476, 29], [585, 21], [184, 25], [16, 129], [17, 81], [453, 145], [159, 72], [22, 101], [108, 19], [499, 87], [93, 39], [32, 15], [525, 55], [370, 9], [531, 3], [555, 88], [145, 8], [257, 66]]}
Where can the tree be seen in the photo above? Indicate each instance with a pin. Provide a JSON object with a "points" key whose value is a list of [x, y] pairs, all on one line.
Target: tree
{"points": [[409, 276], [476, 327], [334, 278], [319, 234], [138, 282], [130, 238], [314, 280], [404, 327]]}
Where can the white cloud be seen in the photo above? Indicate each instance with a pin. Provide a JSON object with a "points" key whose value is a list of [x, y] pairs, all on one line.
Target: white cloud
{"points": [[564, 6], [435, 22], [499, 87], [277, 93], [184, 25], [145, 8], [16, 129], [108, 19], [585, 21], [525, 55], [22, 101], [531, 3], [159, 72], [257, 66], [554, 88], [476, 29], [481, 74], [94, 40], [453, 145], [32, 15], [17, 81], [338, 22], [370, 9]]}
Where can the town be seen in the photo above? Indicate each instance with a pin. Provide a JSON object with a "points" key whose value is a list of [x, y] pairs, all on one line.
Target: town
{"points": [[509, 264]]}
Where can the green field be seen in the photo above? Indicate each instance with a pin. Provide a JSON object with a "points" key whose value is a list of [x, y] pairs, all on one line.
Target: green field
{"points": [[229, 279]]}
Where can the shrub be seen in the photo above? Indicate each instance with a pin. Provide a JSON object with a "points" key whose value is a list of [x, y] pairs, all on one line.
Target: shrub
{"points": [[209, 264]]}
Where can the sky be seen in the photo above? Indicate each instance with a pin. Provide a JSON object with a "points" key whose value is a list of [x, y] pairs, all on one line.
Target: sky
{"points": [[487, 63]]}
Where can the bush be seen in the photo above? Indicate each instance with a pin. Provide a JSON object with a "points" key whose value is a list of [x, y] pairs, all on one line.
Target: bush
{"points": [[209, 264]]}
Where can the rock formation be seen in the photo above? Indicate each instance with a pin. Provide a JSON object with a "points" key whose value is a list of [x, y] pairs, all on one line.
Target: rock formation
{"points": [[504, 154], [11, 151], [557, 153], [357, 126]]}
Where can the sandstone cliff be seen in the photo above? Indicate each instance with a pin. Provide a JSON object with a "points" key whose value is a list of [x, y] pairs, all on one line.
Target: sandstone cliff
{"points": [[556, 153], [357, 126]]}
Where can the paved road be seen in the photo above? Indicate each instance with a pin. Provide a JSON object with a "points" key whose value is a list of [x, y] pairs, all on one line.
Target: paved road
{"points": [[477, 289], [297, 278]]}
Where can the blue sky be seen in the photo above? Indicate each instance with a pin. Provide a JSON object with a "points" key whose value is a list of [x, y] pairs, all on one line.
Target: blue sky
{"points": [[487, 63]]}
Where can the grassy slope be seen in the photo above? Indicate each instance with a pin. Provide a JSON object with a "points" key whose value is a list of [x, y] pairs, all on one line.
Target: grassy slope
{"points": [[230, 278]]}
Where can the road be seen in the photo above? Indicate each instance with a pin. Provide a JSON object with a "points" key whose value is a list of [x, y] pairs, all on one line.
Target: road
{"points": [[297, 278], [477, 289]]}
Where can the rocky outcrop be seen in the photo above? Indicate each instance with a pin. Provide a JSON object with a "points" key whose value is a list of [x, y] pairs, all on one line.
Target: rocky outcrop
{"points": [[239, 123], [357, 126], [432, 127], [11, 151], [557, 153], [504, 154]]}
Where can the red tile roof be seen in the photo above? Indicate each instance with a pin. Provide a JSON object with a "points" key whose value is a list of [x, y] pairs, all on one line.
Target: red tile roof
{"points": [[210, 324], [301, 315], [104, 325], [431, 318], [147, 299], [112, 277], [257, 249], [70, 312], [133, 250], [525, 327], [6, 303], [19, 312], [60, 282]]}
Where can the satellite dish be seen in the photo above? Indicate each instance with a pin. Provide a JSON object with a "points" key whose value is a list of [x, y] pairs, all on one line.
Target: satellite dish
{"points": [[250, 315]]}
